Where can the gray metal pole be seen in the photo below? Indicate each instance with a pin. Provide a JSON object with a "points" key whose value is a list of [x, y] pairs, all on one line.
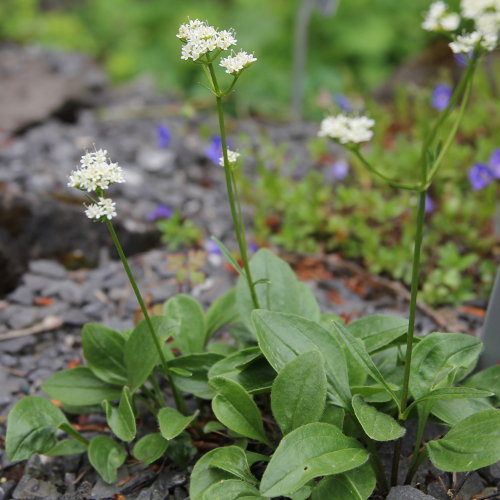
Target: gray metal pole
{"points": [[491, 330]]}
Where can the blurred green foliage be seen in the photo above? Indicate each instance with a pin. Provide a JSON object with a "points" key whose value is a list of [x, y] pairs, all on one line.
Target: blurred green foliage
{"points": [[358, 47], [364, 219]]}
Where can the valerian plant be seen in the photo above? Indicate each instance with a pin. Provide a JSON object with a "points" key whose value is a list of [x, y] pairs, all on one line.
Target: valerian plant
{"points": [[304, 401]]}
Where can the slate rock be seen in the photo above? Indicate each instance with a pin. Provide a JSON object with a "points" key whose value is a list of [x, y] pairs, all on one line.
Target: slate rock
{"points": [[22, 295], [6, 489], [31, 488], [407, 493], [37, 83], [48, 268], [470, 485]]}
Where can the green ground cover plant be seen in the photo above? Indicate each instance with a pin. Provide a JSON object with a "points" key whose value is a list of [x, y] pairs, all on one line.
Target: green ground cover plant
{"points": [[337, 207], [302, 400]]}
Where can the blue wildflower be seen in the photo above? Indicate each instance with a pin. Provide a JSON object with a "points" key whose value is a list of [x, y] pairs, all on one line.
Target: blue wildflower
{"points": [[160, 212], [339, 169], [495, 162], [430, 206], [480, 176], [163, 136], [211, 247], [441, 96], [462, 59], [253, 247], [343, 103], [214, 151]]}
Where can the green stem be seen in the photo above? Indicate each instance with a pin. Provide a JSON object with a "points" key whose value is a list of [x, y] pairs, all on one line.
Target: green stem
{"points": [[69, 429], [146, 403], [239, 229], [387, 179], [179, 402], [411, 327], [156, 387], [446, 112], [413, 298], [453, 131], [377, 466], [422, 422]]}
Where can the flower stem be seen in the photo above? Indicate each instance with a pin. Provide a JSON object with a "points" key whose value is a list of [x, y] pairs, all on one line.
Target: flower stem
{"points": [[239, 227], [411, 327], [386, 178], [179, 402]]}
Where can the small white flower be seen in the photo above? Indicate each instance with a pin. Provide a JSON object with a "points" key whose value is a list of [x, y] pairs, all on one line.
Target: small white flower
{"points": [[201, 38], [347, 129], [240, 61], [486, 17], [225, 39], [95, 172], [232, 157], [105, 207], [438, 18], [466, 43], [472, 9]]}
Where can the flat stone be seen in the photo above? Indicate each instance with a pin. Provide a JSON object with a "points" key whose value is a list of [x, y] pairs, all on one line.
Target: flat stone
{"points": [[6, 489], [48, 268], [30, 488], [407, 493], [22, 295], [34, 282], [103, 490], [67, 290], [472, 486], [16, 346], [23, 317]]}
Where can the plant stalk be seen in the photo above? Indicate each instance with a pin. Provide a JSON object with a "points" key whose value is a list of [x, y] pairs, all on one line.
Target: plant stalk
{"points": [[239, 228], [179, 402], [411, 326]]}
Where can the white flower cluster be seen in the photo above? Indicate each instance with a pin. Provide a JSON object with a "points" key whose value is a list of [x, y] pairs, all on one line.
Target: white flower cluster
{"points": [[232, 157], [105, 207], [439, 18], [199, 38], [347, 129], [235, 64], [95, 172], [485, 15]]}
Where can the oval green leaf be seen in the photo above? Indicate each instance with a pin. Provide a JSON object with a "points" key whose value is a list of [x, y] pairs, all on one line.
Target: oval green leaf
{"points": [[378, 330], [356, 484], [141, 341], [204, 475], [231, 489], [236, 409], [103, 350], [220, 313], [280, 293], [121, 420], [106, 456], [150, 448], [299, 392], [188, 323], [377, 425], [197, 365], [31, 427], [172, 423], [233, 459], [313, 450], [282, 337], [440, 359], [79, 387], [67, 447], [469, 445]]}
